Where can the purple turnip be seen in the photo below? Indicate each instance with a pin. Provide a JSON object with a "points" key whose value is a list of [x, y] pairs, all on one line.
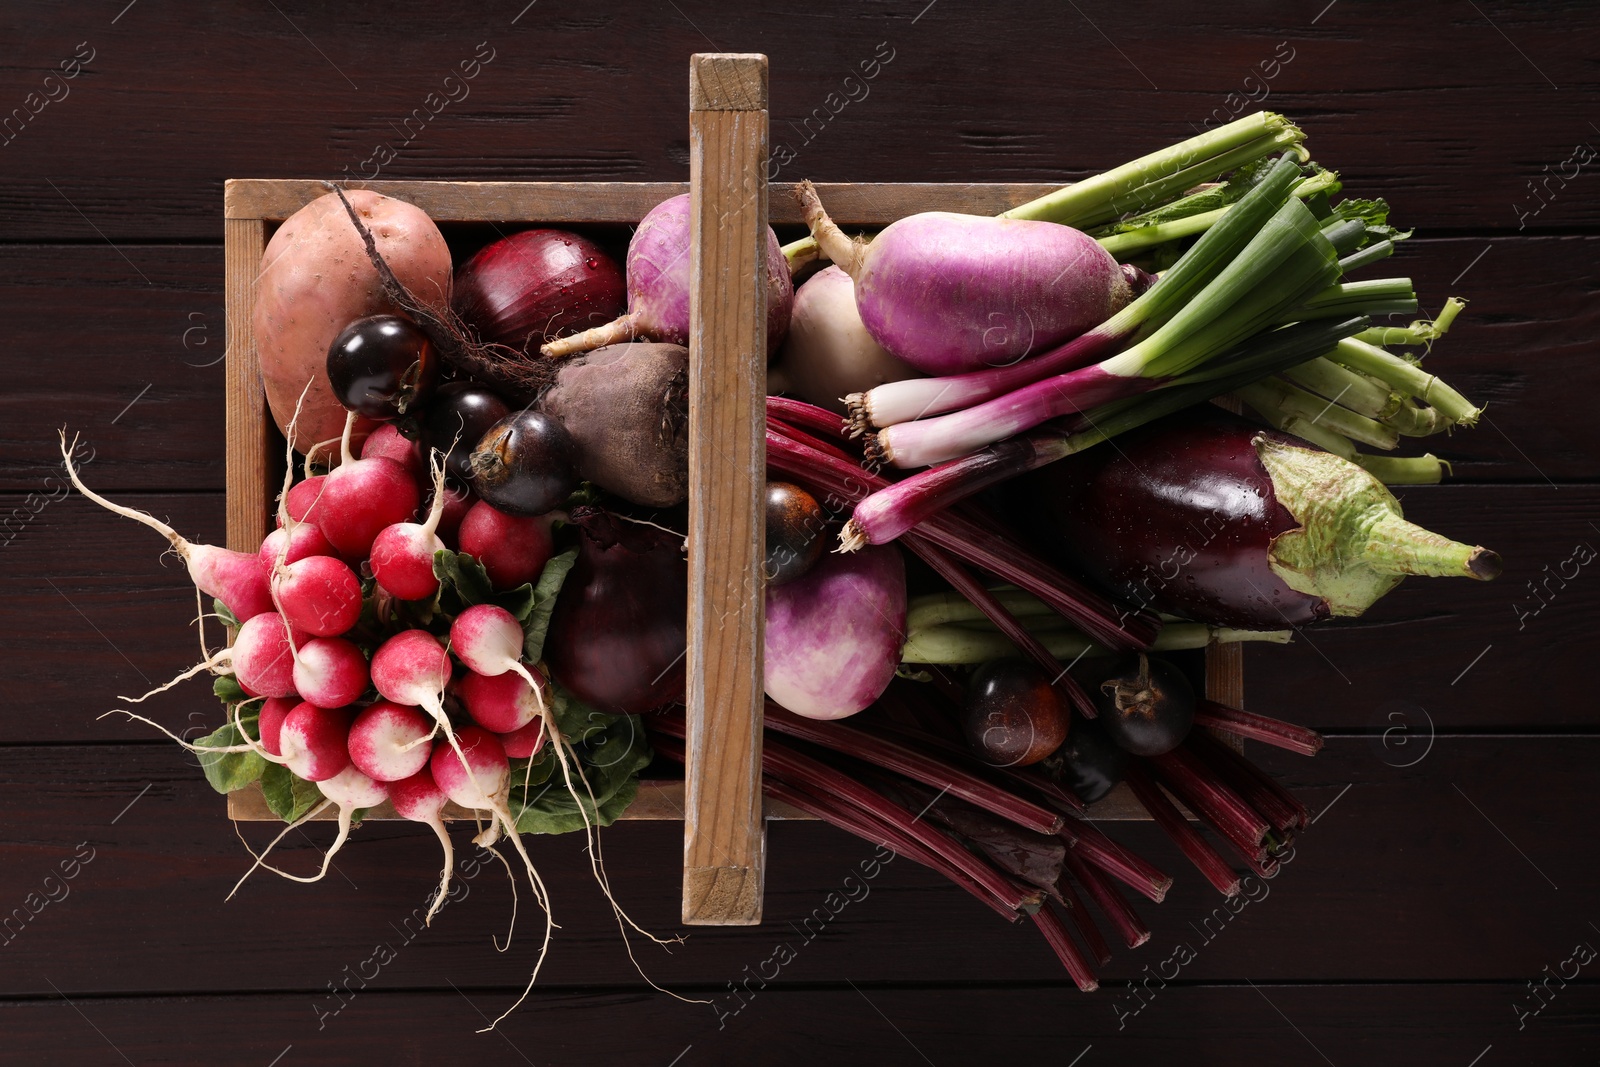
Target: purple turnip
{"points": [[829, 354], [1205, 515], [833, 635], [949, 293]]}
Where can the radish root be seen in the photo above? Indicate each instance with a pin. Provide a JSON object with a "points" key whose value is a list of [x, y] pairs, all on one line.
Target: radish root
{"points": [[260, 860], [221, 657]]}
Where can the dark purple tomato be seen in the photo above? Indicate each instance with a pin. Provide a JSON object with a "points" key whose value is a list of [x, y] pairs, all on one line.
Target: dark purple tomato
{"points": [[1146, 705], [526, 464], [1013, 715], [382, 365], [1089, 763], [795, 527], [458, 416]]}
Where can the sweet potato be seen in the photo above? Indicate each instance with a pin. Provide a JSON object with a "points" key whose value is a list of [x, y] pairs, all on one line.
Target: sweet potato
{"points": [[316, 279]]}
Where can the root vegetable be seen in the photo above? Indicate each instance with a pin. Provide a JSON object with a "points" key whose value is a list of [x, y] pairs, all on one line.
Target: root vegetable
{"points": [[319, 595], [316, 279], [381, 741], [274, 710], [387, 442], [361, 497], [402, 554], [501, 704], [525, 742], [627, 409], [512, 548], [537, 285], [330, 672], [419, 799], [262, 658], [829, 354], [314, 741]]}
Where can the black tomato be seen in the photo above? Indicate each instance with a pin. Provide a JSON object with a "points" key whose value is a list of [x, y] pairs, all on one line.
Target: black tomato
{"points": [[457, 418], [1013, 715], [526, 464], [795, 526], [381, 366], [1146, 705], [1089, 763]]}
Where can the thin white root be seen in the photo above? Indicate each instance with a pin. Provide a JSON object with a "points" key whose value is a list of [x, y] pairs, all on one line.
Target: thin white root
{"points": [[327, 857], [345, 455], [220, 657], [179, 545], [288, 456], [443, 833], [549, 920], [261, 859], [255, 742], [222, 750], [311, 453], [511, 877]]}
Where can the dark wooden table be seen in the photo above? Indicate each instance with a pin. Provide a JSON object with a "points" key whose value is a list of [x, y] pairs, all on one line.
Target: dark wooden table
{"points": [[1452, 862]]}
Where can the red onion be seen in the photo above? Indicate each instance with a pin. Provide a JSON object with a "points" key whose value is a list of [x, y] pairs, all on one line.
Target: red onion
{"points": [[538, 285]]}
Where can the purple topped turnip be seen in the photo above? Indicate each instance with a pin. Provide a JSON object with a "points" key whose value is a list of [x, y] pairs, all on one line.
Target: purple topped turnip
{"points": [[1205, 515], [949, 293], [829, 354]]}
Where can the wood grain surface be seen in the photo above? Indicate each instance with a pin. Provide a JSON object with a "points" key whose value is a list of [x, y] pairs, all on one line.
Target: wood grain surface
{"points": [[1451, 862]]}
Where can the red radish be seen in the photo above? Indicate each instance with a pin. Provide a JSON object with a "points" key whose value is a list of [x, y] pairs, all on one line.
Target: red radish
{"points": [[381, 741], [330, 672], [270, 725], [525, 742], [294, 542], [950, 293], [263, 659], [412, 668], [503, 703], [361, 497], [387, 442], [319, 595], [238, 579], [457, 502], [658, 286], [313, 743], [513, 549], [303, 501], [419, 799], [402, 554]]}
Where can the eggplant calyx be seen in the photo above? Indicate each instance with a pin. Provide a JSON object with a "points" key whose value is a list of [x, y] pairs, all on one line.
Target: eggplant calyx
{"points": [[1353, 544], [1135, 697]]}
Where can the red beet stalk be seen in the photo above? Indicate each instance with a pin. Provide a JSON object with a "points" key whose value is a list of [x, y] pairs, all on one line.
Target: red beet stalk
{"points": [[1186, 837], [1258, 789], [1112, 904], [808, 417], [1205, 794], [802, 437], [1088, 610], [1301, 739], [1045, 788], [1055, 932], [914, 764], [1093, 939], [787, 763], [1131, 870]]}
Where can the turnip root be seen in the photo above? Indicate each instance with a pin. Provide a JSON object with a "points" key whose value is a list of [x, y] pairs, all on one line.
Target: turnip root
{"points": [[626, 408], [316, 279], [833, 635], [949, 293], [658, 287], [829, 353]]}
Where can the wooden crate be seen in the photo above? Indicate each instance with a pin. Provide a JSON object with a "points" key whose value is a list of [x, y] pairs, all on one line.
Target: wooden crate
{"points": [[720, 799]]}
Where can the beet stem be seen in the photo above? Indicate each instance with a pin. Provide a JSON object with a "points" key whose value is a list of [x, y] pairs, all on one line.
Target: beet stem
{"points": [[1066, 950], [1205, 794], [1093, 939], [1246, 724], [1127, 867], [1186, 837], [1112, 904], [1259, 789]]}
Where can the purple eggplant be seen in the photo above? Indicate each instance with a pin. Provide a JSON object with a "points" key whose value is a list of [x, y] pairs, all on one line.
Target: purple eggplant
{"points": [[1205, 515]]}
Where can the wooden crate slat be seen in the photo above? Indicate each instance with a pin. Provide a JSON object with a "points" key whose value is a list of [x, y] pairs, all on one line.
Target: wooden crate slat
{"points": [[248, 496], [724, 845]]}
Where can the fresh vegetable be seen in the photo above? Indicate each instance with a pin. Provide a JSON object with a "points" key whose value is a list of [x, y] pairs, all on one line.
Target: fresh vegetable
{"points": [[412, 668], [658, 287], [384, 741], [795, 526], [314, 740], [318, 595], [1013, 718], [502, 703], [512, 548], [361, 497], [402, 554], [537, 285], [456, 420], [949, 293], [619, 630], [626, 408], [419, 799], [1206, 516], [525, 464], [833, 636], [389, 441], [1146, 705], [330, 672], [316, 279], [1089, 762], [381, 366], [262, 658], [829, 354]]}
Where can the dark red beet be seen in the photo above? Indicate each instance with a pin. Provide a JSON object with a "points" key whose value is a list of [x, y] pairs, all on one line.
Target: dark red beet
{"points": [[619, 629], [1185, 516], [538, 285]]}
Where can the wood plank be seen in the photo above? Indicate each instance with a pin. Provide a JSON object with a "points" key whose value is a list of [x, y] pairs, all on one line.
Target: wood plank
{"points": [[185, 96], [1375, 891], [724, 835], [1265, 1026], [248, 426]]}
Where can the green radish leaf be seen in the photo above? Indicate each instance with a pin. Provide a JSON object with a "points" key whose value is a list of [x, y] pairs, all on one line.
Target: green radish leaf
{"points": [[608, 750], [463, 583], [227, 689], [228, 618], [536, 624], [227, 771], [288, 795]]}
